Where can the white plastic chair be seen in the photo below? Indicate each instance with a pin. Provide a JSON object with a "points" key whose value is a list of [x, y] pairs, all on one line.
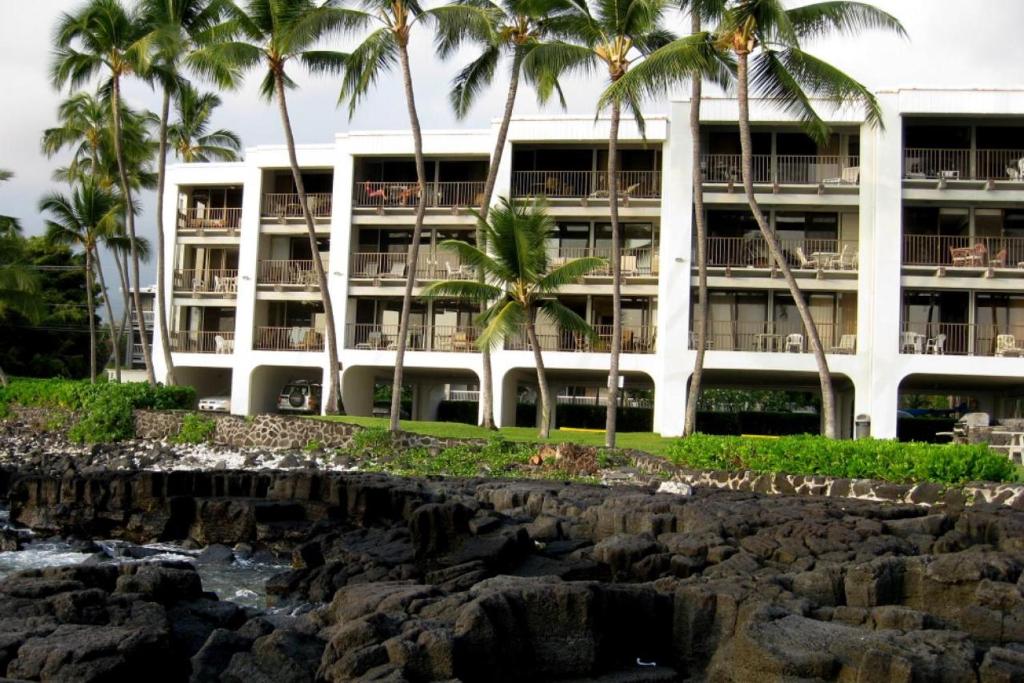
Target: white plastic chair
{"points": [[219, 344], [910, 341], [795, 343], [1006, 345], [936, 345], [847, 344], [804, 261]]}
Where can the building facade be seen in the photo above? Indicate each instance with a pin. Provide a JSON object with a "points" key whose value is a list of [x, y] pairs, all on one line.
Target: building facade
{"points": [[907, 241]]}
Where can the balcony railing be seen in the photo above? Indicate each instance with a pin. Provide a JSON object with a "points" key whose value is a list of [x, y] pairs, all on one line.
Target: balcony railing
{"points": [[222, 281], [963, 164], [775, 337], [393, 265], [963, 251], [817, 254], [286, 205], [785, 169], [193, 341], [635, 261], [962, 339], [288, 339], [624, 401], [209, 220], [464, 395], [585, 184], [634, 340], [406, 194], [377, 337], [287, 272]]}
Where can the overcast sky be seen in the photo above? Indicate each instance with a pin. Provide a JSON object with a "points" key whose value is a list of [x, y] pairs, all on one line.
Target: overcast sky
{"points": [[952, 44]]}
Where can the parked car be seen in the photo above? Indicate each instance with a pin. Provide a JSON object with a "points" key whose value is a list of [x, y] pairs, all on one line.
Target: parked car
{"points": [[215, 404], [300, 396]]}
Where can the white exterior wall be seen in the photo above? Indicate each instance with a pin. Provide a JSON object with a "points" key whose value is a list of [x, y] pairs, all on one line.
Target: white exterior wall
{"points": [[875, 371]]}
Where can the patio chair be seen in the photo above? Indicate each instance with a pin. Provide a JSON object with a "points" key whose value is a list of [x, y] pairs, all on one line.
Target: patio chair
{"points": [[1013, 173], [795, 343], [627, 264], [936, 345], [455, 272], [976, 420], [999, 260], [397, 270], [374, 193], [1006, 345], [297, 337], [847, 345], [847, 259], [911, 342], [222, 345], [804, 261]]}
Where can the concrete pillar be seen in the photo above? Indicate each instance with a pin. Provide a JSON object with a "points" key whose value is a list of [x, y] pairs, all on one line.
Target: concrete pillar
{"points": [[357, 384], [341, 236]]}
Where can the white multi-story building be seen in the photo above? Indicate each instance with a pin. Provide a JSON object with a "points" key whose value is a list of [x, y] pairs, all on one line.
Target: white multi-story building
{"points": [[907, 240]]}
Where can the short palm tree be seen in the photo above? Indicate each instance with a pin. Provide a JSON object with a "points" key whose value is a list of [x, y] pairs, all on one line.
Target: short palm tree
{"points": [[81, 219], [105, 37], [19, 284], [392, 22], [189, 135], [9, 225], [506, 29], [519, 283], [272, 34]]}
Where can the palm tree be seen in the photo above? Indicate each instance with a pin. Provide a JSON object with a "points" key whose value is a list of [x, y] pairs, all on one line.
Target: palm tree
{"points": [[512, 29], [19, 284], [81, 219], [615, 34], [765, 39], [189, 135], [105, 37], [273, 33], [9, 225], [519, 282], [364, 66]]}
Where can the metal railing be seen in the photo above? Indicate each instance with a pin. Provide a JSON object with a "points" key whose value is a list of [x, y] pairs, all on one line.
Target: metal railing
{"points": [[287, 272], [288, 339], [464, 395], [785, 169], [201, 341], [207, 219], [431, 265], [624, 401], [585, 184], [369, 193], [222, 281], [963, 164], [961, 339], [963, 251], [635, 261], [378, 337], [635, 339], [999, 164], [284, 205], [776, 337], [817, 254]]}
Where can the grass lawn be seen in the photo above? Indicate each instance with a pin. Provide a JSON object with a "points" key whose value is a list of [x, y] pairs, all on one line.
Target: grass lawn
{"points": [[643, 441]]}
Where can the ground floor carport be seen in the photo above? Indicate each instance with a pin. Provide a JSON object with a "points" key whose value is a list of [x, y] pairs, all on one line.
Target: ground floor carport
{"points": [[366, 389], [207, 381], [929, 397], [267, 381]]}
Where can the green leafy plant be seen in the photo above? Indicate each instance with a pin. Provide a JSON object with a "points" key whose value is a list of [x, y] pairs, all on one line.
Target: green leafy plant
{"points": [[106, 417], [195, 429], [313, 445]]}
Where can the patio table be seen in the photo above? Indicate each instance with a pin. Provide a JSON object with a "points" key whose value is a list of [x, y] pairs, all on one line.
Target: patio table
{"points": [[768, 342], [825, 259]]}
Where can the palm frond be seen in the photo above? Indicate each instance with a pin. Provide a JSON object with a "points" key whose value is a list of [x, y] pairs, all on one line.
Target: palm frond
{"points": [[569, 273], [501, 320], [462, 289], [841, 17], [821, 79], [367, 63], [772, 80], [472, 80], [567, 319]]}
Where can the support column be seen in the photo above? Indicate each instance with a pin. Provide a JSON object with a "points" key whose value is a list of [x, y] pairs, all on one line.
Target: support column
{"points": [[245, 299]]}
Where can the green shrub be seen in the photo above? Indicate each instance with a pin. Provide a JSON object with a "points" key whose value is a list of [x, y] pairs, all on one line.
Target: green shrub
{"points": [[494, 458], [195, 428], [313, 445], [106, 417], [865, 458], [755, 422], [375, 438]]}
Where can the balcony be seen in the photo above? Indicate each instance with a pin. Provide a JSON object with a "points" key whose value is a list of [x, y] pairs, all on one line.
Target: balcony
{"points": [[635, 262], [809, 253], [204, 220], [963, 251], [921, 163], [585, 185], [961, 339], [285, 206], [442, 338], [393, 265], [635, 339], [774, 337], [287, 273], [783, 169], [218, 283], [405, 195], [288, 339], [195, 341]]}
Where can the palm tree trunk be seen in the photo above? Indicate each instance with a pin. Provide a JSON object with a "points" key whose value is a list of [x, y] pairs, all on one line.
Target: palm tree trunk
{"points": [[110, 317], [89, 305], [126, 312], [161, 179], [331, 405], [542, 377], [3, 378], [616, 261], [487, 381], [772, 240], [129, 219], [701, 318], [414, 247]]}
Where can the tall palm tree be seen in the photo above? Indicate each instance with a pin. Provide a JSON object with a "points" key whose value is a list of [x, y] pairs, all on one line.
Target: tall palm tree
{"points": [[9, 225], [613, 35], [189, 135], [765, 39], [19, 284], [392, 22], [519, 282], [81, 219], [273, 33], [508, 29], [105, 37]]}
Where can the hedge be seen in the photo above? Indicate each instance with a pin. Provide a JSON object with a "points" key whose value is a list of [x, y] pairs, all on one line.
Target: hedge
{"points": [[464, 412], [754, 422], [594, 417], [864, 458]]}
